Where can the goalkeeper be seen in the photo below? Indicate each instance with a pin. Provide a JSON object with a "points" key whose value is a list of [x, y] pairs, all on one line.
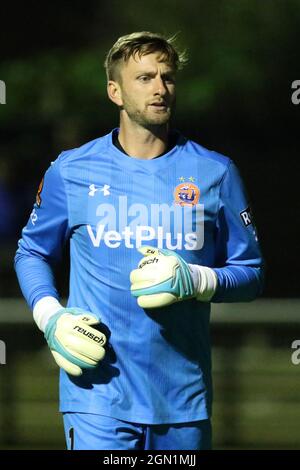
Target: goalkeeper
{"points": [[159, 227]]}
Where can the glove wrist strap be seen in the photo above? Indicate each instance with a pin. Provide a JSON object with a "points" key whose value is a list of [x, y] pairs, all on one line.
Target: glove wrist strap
{"points": [[44, 309], [205, 282]]}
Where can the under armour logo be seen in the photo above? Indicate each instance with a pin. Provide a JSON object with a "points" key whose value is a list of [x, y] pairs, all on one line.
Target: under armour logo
{"points": [[93, 190], [105, 190]]}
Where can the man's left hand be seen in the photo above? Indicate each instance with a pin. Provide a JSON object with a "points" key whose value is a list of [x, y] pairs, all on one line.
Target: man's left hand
{"points": [[162, 278]]}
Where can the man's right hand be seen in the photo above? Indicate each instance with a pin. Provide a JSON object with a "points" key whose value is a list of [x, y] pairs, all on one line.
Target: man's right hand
{"points": [[73, 342]]}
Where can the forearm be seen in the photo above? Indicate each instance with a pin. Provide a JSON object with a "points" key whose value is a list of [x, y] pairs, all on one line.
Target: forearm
{"points": [[35, 277], [238, 283]]}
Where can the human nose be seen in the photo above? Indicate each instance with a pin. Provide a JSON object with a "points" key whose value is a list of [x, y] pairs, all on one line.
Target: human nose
{"points": [[160, 86]]}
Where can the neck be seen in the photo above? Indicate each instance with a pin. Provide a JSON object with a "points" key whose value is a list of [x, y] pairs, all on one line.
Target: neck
{"points": [[143, 143]]}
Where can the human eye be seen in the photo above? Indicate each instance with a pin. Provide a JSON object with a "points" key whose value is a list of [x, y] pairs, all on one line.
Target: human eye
{"points": [[144, 78]]}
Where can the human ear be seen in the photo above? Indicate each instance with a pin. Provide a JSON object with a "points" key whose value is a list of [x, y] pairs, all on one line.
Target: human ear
{"points": [[114, 92]]}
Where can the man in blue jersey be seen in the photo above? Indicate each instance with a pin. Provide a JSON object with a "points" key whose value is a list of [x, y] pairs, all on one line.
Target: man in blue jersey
{"points": [[159, 227]]}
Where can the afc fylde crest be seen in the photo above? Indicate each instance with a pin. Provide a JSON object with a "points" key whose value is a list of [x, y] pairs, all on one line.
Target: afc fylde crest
{"points": [[186, 194]]}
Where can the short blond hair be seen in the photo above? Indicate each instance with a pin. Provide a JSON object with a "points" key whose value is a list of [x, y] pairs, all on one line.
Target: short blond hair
{"points": [[142, 43]]}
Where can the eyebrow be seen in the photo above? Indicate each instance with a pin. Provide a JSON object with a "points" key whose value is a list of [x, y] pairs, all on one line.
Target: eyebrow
{"points": [[147, 72]]}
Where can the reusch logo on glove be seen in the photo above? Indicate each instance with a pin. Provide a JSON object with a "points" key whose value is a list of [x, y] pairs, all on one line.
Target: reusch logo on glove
{"points": [[90, 335], [149, 261]]}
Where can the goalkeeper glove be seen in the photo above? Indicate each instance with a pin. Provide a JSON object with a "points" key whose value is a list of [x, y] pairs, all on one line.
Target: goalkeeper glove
{"points": [[73, 342], [163, 277]]}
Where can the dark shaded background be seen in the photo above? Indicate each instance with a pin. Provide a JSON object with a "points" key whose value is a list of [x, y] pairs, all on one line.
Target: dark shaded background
{"points": [[234, 96]]}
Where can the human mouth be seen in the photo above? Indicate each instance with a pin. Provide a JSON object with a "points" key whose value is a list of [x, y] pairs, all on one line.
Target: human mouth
{"points": [[159, 105]]}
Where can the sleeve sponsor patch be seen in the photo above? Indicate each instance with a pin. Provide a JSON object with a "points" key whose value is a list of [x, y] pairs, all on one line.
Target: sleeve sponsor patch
{"points": [[246, 216], [38, 198]]}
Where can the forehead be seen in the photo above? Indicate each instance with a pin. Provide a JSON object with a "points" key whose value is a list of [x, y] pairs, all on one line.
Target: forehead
{"points": [[150, 62]]}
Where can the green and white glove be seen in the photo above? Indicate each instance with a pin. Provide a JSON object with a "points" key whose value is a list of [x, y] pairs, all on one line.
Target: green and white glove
{"points": [[163, 277], [73, 341]]}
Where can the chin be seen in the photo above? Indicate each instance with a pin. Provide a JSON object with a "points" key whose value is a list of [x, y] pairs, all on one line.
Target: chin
{"points": [[159, 120]]}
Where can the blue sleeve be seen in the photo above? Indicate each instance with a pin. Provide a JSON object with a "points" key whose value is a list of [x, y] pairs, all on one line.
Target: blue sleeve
{"points": [[239, 264], [43, 238]]}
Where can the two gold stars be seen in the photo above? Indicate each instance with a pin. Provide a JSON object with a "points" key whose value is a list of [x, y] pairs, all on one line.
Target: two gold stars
{"points": [[191, 178]]}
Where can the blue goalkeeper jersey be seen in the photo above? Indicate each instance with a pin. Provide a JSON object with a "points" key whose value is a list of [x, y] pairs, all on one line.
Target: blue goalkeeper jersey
{"points": [[157, 367]]}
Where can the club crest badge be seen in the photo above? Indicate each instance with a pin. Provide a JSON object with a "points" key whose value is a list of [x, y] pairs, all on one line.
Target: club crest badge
{"points": [[186, 194]]}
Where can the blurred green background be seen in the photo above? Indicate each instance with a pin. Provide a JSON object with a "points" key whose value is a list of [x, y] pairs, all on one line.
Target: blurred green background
{"points": [[234, 96]]}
